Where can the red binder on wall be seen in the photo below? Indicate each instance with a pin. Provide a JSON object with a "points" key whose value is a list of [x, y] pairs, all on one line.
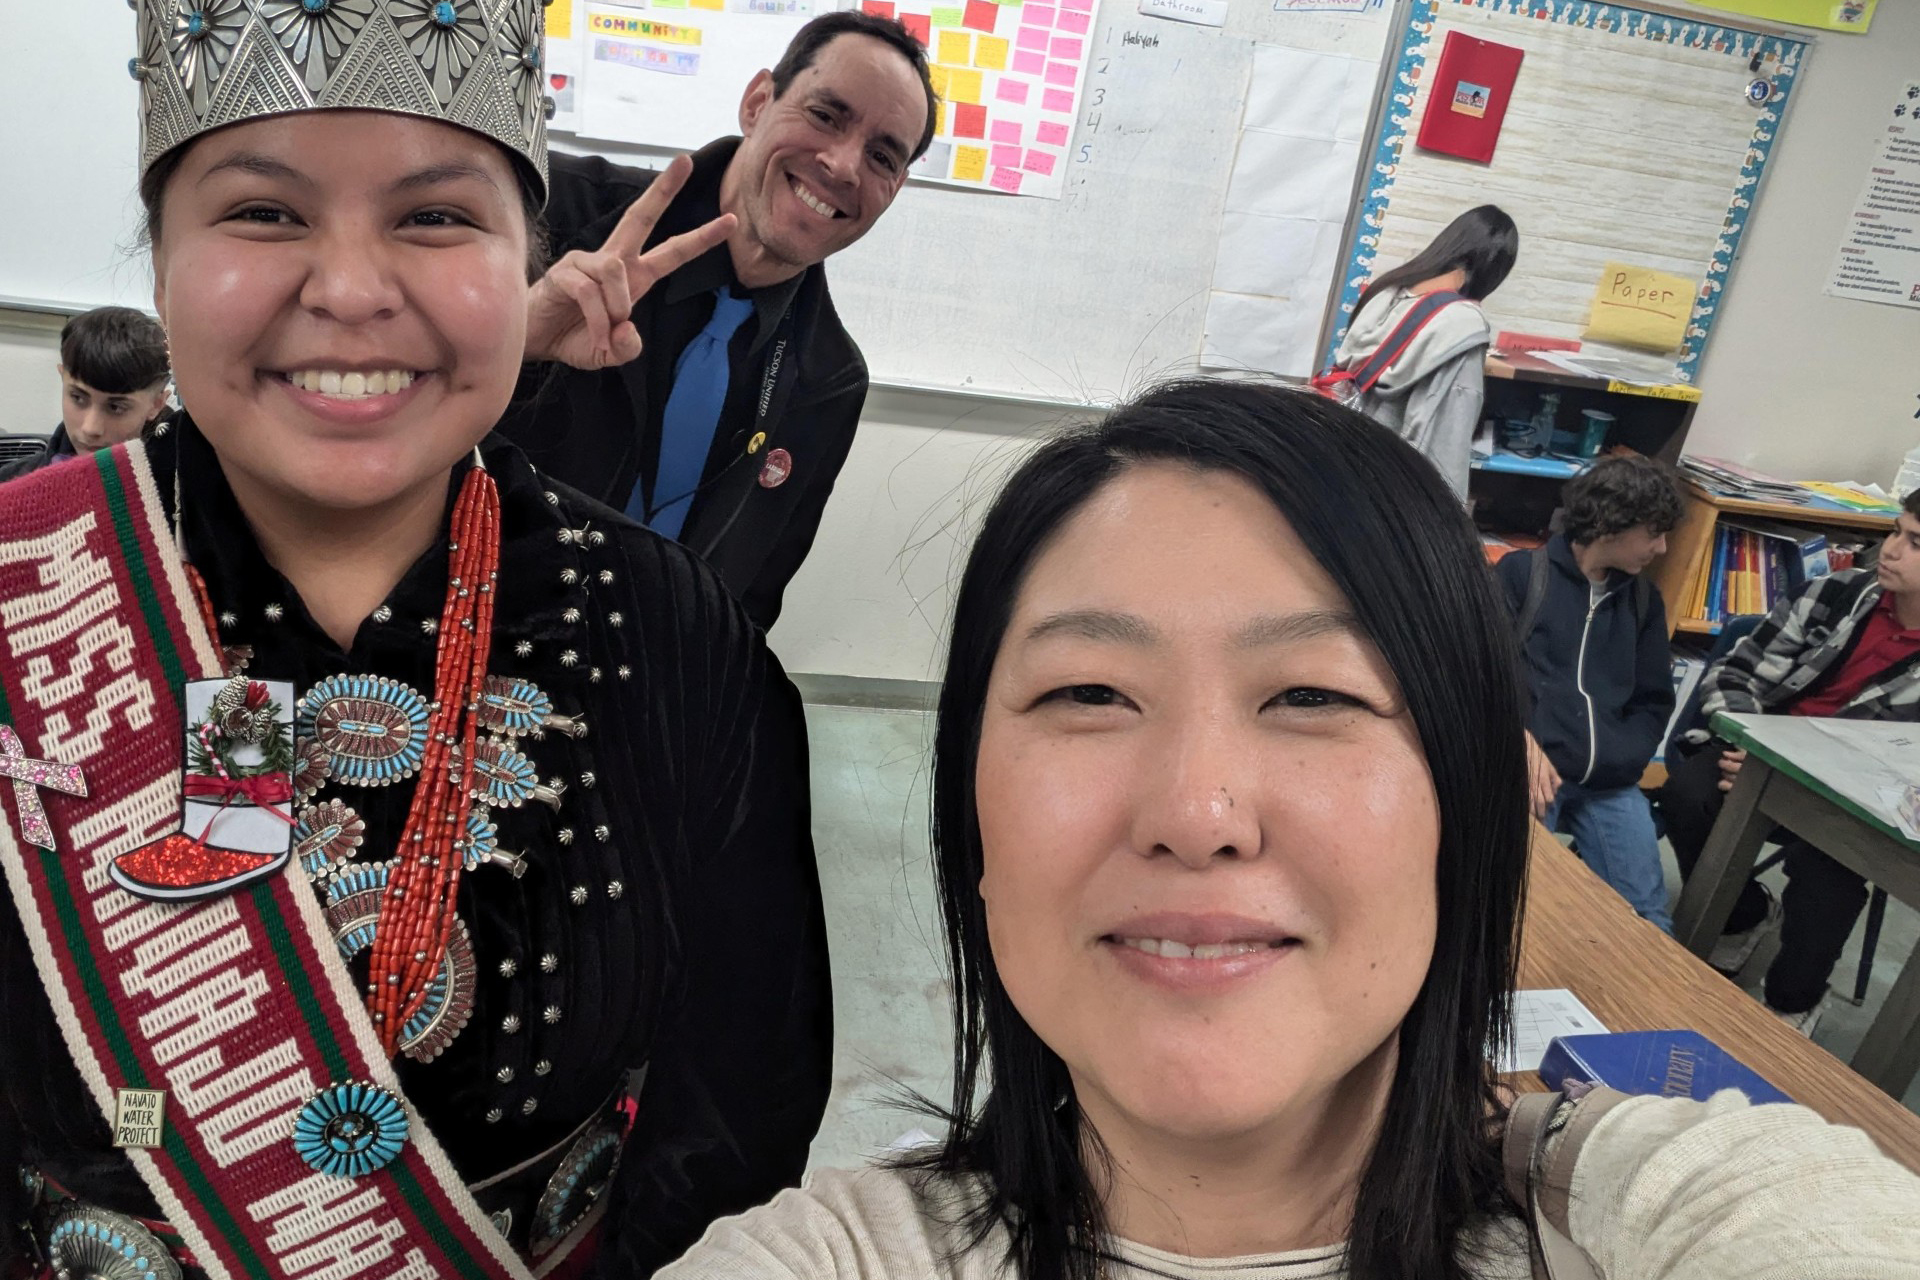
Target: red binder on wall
{"points": [[1470, 91]]}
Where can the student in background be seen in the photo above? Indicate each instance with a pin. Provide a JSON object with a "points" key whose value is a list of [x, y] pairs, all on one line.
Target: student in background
{"points": [[1593, 635], [1432, 392], [1847, 645], [113, 375]]}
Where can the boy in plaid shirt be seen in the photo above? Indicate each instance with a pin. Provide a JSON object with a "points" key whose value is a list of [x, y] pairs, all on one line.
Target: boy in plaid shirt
{"points": [[1847, 645]]}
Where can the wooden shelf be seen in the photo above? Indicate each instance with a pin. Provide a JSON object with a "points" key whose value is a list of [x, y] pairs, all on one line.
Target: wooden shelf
{"points": [[1793, 512], [1690, 545]]}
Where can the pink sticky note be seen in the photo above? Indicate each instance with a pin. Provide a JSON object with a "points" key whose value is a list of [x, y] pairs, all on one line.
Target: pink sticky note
{"points": [[1006, 130], [1007, 180], [1040, 162], [1031, 38], [1012, 90], [1029, 63], [1062, 73], [1039, 15], [1084, 6], [1005, 158], [1052, 133], [1067, 47], [1074, 22], [1058, 100]]}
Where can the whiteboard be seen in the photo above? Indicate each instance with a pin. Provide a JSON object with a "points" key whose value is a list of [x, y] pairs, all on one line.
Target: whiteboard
{"points": [[1080, 299]]}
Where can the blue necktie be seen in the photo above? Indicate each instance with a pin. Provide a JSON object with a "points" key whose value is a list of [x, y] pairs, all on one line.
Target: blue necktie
{"points": [[692, 413]]}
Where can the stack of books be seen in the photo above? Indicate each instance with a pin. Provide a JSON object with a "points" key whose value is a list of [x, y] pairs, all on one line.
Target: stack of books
{"points": [[1755, 565], [1726, 479]]}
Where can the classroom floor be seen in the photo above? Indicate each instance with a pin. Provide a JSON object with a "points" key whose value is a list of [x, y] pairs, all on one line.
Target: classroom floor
{"points": [[890, 998]]}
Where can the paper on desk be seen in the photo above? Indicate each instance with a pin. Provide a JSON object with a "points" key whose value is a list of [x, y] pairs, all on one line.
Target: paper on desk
{"points": [[1539, 1016], [1904, 804]]}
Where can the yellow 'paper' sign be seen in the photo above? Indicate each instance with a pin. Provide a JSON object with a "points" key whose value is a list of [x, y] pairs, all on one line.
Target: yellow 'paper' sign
{"points": [[1640, 307], [560, 20]]}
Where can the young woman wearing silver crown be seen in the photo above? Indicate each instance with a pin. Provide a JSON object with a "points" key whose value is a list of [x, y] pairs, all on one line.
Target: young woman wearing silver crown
{"points": [[522, 969]]}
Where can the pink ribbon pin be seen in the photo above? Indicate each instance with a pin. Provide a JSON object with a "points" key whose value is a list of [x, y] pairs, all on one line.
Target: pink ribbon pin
{"points": [[28, 775]]}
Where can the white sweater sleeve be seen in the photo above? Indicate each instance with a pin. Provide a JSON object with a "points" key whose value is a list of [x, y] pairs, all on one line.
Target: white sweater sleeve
{"points": [[1672, 1189], [842, 1224]]}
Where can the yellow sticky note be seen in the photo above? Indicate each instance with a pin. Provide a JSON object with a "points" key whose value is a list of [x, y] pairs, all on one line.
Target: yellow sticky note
{"points": [[991, 53], [956, 47], [1641, 307], [963, 85], [970, 163], [940, 118], [937, 76], [560, 20], [718, 6]]}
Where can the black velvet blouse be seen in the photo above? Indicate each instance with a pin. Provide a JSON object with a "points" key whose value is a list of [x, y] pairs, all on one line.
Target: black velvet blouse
{"points": [[669, 914]]}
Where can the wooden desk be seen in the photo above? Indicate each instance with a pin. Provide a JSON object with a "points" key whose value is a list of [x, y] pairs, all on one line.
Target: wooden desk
{"points": [[1820, 787], [1581, 935]]}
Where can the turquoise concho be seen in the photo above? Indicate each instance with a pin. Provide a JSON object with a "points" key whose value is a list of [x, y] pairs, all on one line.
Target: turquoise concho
{"points": [[350, 1130]]}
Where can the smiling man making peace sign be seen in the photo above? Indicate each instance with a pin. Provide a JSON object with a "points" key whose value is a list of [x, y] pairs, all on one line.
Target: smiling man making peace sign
{"points": [[718, 408]]}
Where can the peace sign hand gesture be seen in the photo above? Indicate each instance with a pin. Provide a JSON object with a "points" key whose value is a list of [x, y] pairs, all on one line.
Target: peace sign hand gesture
{"points": [[580, 312]]}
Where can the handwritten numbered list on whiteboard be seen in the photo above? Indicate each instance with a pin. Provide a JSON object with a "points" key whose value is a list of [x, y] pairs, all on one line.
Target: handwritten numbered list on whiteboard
{"points": [[1009, 77]]}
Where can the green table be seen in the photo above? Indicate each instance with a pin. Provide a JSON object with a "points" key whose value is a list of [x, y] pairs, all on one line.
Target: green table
{"points": [[1820, 779]]}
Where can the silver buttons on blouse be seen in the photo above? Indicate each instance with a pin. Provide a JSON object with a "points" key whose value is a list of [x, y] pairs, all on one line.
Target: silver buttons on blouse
{"points": [[274, 612], [542, 1067], [528, 1107], [510, 1023], [504, 1075], [523, 649], [550, 1014], [383, 613], [578, 895], [549, 962], [495, 1116], [509, 967], [615, 889]]}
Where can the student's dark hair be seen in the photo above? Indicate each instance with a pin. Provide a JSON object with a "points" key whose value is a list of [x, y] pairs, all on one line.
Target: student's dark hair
{"points": [[114, 349], [823, 30], [1392, 536], [1618, 493], [1911, 504], [153, 190], [1482, 240]]}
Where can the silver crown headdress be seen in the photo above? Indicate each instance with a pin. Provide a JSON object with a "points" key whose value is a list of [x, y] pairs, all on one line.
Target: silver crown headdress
{"points": [[473, 63]]}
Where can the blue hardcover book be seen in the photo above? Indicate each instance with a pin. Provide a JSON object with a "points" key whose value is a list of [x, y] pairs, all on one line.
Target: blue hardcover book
{"points": [[1672, 1064], [1717, 582]]}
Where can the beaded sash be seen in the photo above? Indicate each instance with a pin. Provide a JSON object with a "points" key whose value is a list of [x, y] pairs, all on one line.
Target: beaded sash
{"points": [[240, 1007]]}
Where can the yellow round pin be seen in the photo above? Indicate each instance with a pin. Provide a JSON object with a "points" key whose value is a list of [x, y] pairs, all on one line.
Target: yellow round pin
{"points": [[759, 438]]}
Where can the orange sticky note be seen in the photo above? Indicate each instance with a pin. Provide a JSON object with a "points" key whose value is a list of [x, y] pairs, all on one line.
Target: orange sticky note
{"points": [[956, 47], [963, 85], [969, 163], [991, 52]]}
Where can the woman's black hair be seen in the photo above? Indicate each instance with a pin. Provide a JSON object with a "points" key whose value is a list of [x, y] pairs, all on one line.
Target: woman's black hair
{"points": [[1385, 527], [153, 190], [1483, 241]]}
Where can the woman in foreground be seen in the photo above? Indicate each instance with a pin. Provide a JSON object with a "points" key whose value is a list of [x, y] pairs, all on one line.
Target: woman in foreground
{"points": [[1230, 827]]}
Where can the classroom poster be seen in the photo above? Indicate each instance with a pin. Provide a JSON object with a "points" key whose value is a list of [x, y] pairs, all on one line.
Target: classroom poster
{"points": [[671, 73], [1879, 258], [1009, 78], [1833, 15]]}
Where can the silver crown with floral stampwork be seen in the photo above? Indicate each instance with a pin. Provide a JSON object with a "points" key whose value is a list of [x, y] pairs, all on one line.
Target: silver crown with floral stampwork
{"points": [[474, 63]]}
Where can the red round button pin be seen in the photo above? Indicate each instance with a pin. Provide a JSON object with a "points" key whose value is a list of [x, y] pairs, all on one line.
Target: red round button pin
{"points": [[778, 467]]}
